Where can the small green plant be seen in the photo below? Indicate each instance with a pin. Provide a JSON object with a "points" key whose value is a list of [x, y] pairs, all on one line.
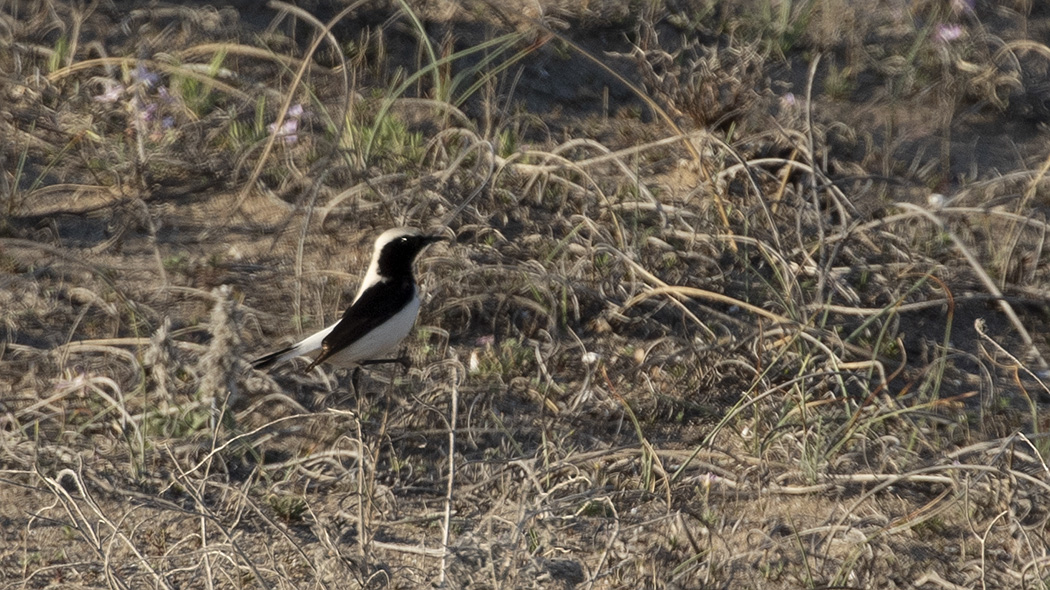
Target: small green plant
{"points": [[839, 83], [780, 24], [929, 527], [508, 359], [177, 423], [393, 142], [288, 508], [177, 262], [243, 134], [507, 142], [446, 87], [533, 540], [693, 21], [196, 94], [1042, 446], [596, 509], [60, 55]]}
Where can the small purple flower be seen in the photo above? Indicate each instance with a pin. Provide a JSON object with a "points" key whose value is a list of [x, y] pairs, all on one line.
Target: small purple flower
{"points": [[289, 129], [947, 33], [112, 93], [149, 112], [708, 479], [72, 381], [168, 122], [148, 78]]}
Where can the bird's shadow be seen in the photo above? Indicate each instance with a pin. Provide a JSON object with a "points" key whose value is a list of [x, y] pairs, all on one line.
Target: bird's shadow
{"points": [[358, 385]]}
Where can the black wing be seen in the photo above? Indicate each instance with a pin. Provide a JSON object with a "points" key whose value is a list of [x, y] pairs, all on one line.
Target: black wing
{"points": [[377, 304]]}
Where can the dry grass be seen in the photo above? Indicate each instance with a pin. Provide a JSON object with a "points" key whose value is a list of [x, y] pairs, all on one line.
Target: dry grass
{"points": [[733, 301]]}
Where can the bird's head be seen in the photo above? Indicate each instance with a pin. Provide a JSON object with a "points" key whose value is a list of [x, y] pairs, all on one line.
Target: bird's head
{"points": [[396, 249]]}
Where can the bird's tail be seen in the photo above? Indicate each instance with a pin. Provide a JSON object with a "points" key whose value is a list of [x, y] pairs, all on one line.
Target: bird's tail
{"points": [[274, 358]]}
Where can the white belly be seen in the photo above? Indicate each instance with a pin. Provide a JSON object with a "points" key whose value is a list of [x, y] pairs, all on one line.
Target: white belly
{"points": [[380, 341]]}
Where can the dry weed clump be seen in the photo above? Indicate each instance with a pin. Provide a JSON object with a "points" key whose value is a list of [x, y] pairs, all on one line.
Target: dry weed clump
{"points": [[715, 87], [702, 359]]}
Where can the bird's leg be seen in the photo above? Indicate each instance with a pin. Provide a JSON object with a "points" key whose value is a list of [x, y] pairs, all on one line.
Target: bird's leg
{"points": [[355, 377]]}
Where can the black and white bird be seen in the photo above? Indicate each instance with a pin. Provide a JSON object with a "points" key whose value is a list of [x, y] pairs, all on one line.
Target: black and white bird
{"points": [[381, 314]]}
